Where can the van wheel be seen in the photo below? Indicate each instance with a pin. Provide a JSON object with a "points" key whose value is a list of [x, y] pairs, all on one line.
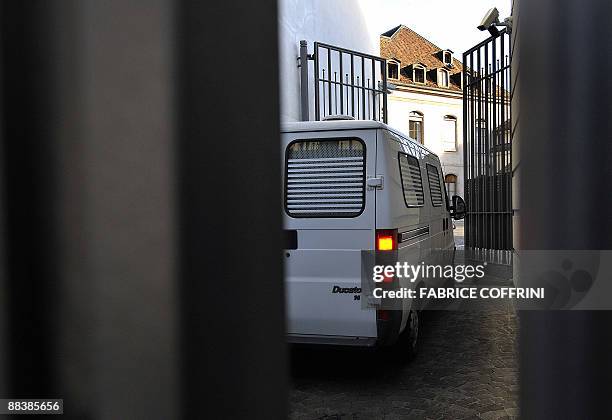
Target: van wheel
{"points": [[408, 342], [412, 334]]}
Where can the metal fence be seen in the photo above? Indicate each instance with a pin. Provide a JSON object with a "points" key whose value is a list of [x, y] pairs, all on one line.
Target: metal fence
{"points": [[346, 82], [487, 144]]}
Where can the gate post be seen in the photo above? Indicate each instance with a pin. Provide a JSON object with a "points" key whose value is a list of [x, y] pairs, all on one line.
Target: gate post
{"points": [[303, 65]]}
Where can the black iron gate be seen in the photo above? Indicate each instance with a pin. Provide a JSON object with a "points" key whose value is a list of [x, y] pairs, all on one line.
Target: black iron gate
{"points": [[487, 144], [346, 82]]}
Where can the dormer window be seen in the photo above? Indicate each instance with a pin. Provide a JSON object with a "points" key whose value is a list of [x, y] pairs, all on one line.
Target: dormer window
{"points": [[447, 57], [393, 70], [443, 78], [457, 79], [418, 74]]}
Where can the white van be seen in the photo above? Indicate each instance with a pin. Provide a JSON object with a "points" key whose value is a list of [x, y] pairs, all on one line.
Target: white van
{"points": [[354, 186]]}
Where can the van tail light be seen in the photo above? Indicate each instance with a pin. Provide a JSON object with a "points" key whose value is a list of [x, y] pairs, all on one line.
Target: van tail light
{"points": [[386, 239], [383, 315]]}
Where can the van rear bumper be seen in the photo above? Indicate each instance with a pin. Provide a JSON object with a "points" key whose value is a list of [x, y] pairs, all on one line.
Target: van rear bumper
{"points": [[334, 340]]}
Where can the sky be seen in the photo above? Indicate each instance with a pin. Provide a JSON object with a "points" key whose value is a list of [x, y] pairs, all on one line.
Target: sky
{"points": [[447, 23]]}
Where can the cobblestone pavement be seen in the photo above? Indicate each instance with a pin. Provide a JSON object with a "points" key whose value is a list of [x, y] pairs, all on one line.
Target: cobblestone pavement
{"points": [[466, 368]]}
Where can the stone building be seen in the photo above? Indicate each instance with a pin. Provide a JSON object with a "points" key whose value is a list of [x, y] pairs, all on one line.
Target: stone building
{"points": [[426, 99]]}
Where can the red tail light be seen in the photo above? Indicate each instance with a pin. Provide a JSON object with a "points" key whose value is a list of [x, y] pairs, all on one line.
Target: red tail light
{"points": [[386, 240], [383, 315]]}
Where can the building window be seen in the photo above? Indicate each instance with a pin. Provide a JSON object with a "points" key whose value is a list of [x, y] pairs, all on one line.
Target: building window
{"points": [[500, 152], [415, 126], [418, 74], [393, 70], [443, 78], [450, 182], [480, 137], [447, 58], [457, 78], [449, 133], [481, 129]]}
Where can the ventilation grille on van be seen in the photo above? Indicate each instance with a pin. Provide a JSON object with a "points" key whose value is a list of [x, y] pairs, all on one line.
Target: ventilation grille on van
{"points": [[325, 178], [411, 180], [434, 185]]}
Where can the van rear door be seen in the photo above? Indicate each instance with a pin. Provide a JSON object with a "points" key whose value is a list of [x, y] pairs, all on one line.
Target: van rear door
{"points": [[331, 212]]}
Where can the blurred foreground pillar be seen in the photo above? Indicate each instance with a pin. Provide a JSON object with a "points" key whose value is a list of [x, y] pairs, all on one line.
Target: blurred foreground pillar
{"points": [[141, 273], [563, 126]]}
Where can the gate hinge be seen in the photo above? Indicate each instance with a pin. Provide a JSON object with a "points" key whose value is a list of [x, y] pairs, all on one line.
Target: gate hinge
{"points": [[375, 183], [309, 57]]}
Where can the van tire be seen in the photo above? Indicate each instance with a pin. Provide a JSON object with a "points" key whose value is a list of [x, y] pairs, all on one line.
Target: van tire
{"points": [[407, 344], [411, 333]]}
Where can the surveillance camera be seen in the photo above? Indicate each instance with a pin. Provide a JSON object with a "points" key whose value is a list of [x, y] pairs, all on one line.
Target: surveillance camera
{"points": [[490, 19]]}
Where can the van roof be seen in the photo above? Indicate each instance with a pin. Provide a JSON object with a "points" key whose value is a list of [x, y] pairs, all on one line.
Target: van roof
{"points": [[292, 127], [302, 126]]}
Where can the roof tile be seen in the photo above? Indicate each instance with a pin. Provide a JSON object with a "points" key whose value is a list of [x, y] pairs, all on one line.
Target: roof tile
{"points": [[402, 43]]}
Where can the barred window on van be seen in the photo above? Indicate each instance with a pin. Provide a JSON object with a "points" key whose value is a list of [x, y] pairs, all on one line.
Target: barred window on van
{"points": [[325, 178], [434, 185], [412, 184]]}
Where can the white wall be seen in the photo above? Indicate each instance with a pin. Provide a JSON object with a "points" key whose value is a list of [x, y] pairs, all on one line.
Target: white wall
{"points": [[336, 22], [433, 108]]}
